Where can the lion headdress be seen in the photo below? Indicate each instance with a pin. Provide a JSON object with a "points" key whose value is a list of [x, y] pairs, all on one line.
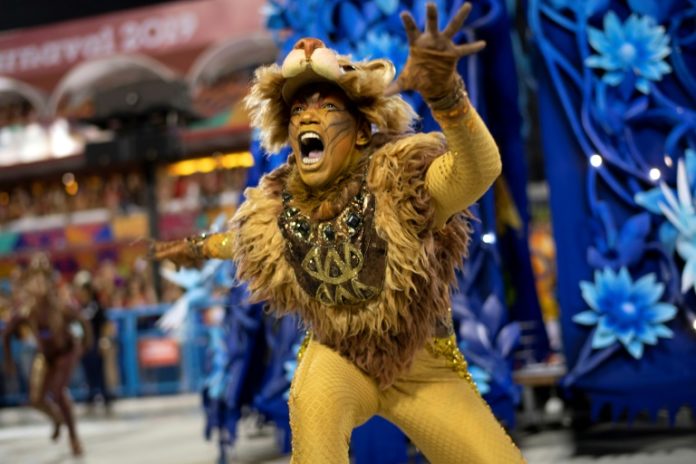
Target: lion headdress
{"points": [[365, 83]]}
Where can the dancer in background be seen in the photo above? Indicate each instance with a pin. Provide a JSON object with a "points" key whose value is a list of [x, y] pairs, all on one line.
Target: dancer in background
{"points": [[360, 233], [61, 335]]}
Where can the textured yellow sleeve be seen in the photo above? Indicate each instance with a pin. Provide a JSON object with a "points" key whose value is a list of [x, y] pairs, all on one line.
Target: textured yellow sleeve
{"points": [[462, 175], [219, 246]]}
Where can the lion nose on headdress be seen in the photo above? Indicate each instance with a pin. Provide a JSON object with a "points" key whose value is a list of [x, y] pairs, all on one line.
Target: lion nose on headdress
{"points": [[308, 44], [309, 61]]}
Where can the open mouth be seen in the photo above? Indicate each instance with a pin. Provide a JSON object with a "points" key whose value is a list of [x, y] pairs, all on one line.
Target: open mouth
{"points": [[312, 147]]}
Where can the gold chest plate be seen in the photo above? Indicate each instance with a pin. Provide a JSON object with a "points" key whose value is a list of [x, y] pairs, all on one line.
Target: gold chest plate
{"points": [[340, 262]]}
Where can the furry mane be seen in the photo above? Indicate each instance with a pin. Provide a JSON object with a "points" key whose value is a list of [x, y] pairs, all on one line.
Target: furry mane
{"points": [[382, 336]]}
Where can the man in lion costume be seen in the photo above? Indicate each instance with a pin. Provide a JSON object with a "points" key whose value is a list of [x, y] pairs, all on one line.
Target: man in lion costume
{"points": [[360, 233]]}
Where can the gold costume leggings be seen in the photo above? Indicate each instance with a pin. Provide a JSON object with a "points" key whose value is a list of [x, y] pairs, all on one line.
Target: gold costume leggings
{"points": [[435, 404]]}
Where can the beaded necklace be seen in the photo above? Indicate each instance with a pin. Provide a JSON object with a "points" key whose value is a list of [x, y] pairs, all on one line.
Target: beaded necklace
{"points": [[339, 262]]}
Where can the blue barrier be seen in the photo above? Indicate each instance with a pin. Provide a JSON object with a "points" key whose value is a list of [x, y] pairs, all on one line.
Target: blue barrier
{"points": [[135, 328]]}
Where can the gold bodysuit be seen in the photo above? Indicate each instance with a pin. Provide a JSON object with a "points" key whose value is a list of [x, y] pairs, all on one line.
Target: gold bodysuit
{"points": [[373, 354]]}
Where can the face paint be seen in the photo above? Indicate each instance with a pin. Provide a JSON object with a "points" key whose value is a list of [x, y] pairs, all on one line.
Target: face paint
{"points": [[323, 135]]}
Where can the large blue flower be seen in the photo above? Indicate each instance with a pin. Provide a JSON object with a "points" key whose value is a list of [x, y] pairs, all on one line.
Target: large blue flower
{"points": [[680, 211], [634, 50], [679, 208], [651, 200], [625, 311]]}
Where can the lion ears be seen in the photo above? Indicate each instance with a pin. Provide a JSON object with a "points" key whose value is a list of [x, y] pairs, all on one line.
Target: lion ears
{"points": [[383, 68]]}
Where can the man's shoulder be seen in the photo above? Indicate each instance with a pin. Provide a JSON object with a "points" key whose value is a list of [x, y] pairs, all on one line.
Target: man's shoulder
{"points": [[262, 201], [408, 156], [271, 184], [418, 144]]}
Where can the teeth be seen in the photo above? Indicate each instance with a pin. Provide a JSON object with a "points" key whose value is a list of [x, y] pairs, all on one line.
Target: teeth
{"points": [[308, 160], [309, 135]]}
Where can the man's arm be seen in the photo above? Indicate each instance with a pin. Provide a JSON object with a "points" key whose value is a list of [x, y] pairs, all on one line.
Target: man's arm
{"points": [[218, 246], [462, 175], [459, 177], [192, 251]]}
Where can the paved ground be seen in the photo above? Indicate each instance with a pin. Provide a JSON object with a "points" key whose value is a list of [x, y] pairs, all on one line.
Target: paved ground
{"points": [[612, 445], [144, 431], [168, 430]]}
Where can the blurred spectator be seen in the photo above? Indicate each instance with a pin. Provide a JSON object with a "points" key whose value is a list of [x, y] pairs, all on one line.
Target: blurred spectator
{"points": [[119, 193], [135, 187], [92, 360], [109, 284], [139, 288]]}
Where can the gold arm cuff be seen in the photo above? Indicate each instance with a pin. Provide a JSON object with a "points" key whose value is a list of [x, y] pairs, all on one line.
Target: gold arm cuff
{"points": [[452, 117], [218, 246]]}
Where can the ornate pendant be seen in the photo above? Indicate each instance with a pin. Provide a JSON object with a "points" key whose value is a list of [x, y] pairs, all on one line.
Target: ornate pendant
{"points": [[338, 262]]}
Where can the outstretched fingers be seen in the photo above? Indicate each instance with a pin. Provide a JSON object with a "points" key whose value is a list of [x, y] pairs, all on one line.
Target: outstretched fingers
{"points": [[412, 32], [470, 48], [164, 250], [457, 21], [431, 20]]}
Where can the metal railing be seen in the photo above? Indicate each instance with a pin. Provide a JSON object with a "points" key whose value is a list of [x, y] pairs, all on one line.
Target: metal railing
{"points": [[148, 360]]}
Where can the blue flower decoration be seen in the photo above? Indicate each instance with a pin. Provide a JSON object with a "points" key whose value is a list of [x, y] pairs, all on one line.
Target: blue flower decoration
{"points": [[618, 248], [587, 7], [652, 199], [634, 50], [658, 9], [625, 311], [679, 231], [487, 341], [481, 379], [387, 6], [273, 14], [611, 110], [379, 44], [680, 212]]}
